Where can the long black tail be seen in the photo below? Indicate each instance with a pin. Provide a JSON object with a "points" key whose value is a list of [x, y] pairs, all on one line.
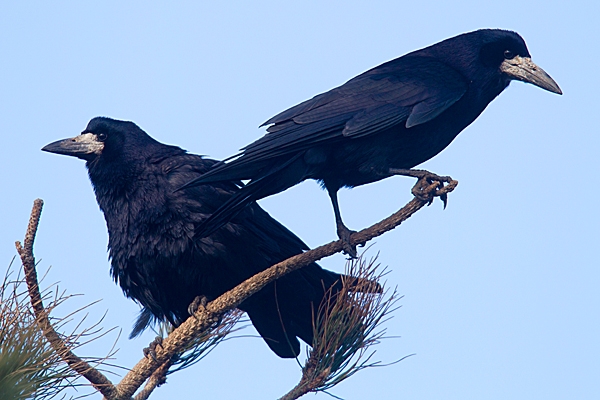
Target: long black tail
{"points": [[286, 310]]}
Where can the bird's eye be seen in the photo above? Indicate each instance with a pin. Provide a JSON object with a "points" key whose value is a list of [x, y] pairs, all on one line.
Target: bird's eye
{"points": [[101, 137], [508, 54]]}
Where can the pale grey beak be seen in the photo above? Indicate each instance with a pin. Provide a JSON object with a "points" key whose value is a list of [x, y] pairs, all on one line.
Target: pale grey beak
{"points": [[85, 146], [523, 69]]}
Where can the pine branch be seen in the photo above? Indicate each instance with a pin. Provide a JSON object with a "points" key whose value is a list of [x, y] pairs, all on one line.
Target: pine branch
{"points": [[154, 369], [96, 378], [346, 326], [29, 366]]}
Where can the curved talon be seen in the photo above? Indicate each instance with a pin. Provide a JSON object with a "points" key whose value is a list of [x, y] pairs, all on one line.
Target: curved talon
{"points": [[344, 234], [444, 198], [349, 250], [199, 302], [426, 191], [429, 185], [150, 351]]}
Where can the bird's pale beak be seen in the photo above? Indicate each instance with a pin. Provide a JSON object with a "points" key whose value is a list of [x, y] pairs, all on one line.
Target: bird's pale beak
{"points": [[523, 69], [84, 146]]}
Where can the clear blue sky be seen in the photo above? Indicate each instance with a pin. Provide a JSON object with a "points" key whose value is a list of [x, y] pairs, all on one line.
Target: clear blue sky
{"points": [[501, 288]]}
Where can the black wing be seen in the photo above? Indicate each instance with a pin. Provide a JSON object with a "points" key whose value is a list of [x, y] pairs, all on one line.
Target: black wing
{"points": [[413, 90], [410, 90]]}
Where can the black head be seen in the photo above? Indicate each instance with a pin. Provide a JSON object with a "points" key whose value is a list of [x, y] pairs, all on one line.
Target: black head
{"points": [[116, 153], [104, 138], [491, 52]]}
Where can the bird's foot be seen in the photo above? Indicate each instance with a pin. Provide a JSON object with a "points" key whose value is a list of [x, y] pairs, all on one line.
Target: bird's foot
{"points": [[150, 351], [344, 234], [429, 185], [198, 303]]}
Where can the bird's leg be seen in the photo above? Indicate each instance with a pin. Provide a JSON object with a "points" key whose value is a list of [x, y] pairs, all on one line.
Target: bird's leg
{"points": [[342, 230], [201, 302], [198, 303], [424, 181], [150, 351]]}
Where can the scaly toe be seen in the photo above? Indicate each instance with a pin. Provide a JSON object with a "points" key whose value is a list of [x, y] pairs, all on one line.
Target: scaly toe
{"points": [[198, 303]]}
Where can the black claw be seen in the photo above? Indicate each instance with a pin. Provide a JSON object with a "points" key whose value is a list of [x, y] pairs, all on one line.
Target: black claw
{"points": [[422, 189], [349, 250], [150, 351], [344, 234], [199, 302], [444, 198]]}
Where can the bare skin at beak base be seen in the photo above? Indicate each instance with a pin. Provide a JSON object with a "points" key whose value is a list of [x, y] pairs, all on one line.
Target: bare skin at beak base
{"points": [[523, 69], [84, 146]]}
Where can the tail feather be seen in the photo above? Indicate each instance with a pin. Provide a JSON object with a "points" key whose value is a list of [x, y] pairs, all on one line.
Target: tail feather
{"points": [[274, 181], [286, 309], [228, 210], [145, 318], [274, 324], [223, 171]]}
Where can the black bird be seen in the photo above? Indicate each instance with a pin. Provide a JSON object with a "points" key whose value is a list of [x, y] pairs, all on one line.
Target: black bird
{"points": [[380, 123], [156, 256]]}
